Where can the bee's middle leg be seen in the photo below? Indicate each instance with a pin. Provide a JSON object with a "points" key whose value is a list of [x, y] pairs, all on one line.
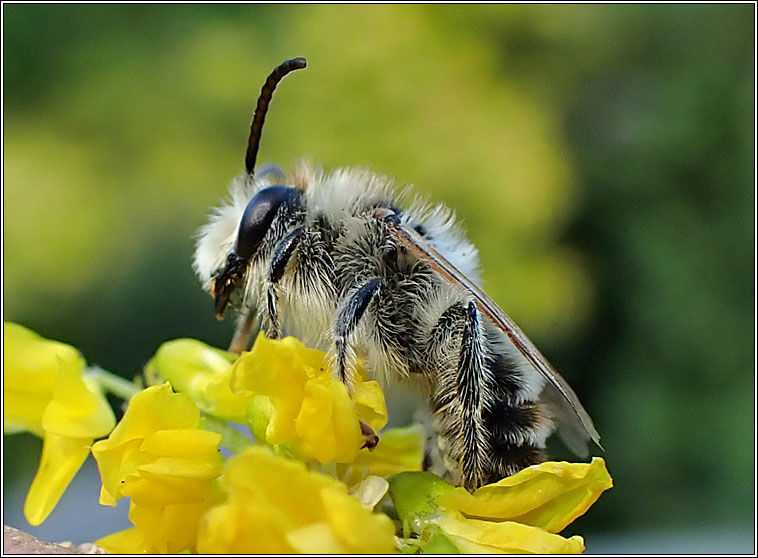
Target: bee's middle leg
{"points": [[352, 310]]}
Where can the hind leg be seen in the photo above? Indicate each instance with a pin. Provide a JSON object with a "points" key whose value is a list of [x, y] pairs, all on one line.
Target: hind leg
{"points": [[463, 385]]}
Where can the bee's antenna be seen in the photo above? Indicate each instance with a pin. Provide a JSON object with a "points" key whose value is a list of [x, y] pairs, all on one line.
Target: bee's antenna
{"points": [[260, 110]]}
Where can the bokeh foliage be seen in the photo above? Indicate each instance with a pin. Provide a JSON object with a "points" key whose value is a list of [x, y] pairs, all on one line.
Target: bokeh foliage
{"points": [[601, 158]]}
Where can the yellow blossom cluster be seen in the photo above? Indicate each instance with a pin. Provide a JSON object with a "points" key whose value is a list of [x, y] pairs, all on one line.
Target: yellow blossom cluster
{"points": [[296, 401], [520, 514], [46, 392], [159, 458], [303, 483], [275, 505]]}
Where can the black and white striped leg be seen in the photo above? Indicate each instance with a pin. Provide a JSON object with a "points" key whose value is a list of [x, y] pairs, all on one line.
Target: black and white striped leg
{"points": [[347, 321], [463, 386], [472, 382], [282, 255], [351, 313]]}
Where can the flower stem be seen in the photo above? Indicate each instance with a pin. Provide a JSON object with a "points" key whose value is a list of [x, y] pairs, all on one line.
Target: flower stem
{"points": [[112, 383]]}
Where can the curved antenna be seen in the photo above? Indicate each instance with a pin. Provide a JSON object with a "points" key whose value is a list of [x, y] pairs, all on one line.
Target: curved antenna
{"points": [[260, 110]]}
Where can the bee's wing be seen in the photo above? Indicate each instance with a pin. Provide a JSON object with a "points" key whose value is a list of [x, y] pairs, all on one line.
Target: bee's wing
{"points": [[576, 424]]}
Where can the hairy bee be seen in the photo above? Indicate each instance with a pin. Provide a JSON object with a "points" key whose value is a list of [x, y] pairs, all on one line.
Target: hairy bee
{"points": [[358, 267]]}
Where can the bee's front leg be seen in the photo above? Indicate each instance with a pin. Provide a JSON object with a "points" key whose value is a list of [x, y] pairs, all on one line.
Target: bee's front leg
{"points": [[350, 314], [243, 331], [282, 254]]}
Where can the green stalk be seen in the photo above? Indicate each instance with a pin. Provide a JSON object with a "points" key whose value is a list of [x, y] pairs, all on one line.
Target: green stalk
{"points": [[114, 384]]}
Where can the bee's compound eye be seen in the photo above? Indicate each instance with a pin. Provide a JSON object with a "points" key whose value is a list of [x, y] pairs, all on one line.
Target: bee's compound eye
{"points": [[258, 216]]}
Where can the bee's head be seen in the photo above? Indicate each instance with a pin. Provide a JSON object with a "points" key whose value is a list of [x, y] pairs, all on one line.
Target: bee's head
{"points": [[263, 218]]}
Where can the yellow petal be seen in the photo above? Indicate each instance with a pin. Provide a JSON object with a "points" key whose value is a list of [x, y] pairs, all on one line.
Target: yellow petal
{"points": [[157, 490], [296, 401], [360, 530], [276, 369], [23, 411], [399, 449], [170, 529], [116, 462], [30, 365], [346, 426], [370, 404], [281, 425], [202, 372], [236, 527], [289, 508], [78, 408], [128, 541], [197, 467], [61, 459], [327, 422], [473, 536], [273, 367], [549, 495], [152, 409], [181, 442], [276, 482], [316, 538], [314, 422]]}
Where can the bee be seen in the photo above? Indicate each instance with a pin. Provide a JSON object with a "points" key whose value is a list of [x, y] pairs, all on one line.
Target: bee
{"points": [[357, 266]]}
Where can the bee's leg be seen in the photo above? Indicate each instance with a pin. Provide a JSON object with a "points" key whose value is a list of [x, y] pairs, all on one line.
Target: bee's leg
{"points": [[369, 435], [282, 254], [351, 312], [244, 330], [473, 381], [462, 390], [442, 424]]}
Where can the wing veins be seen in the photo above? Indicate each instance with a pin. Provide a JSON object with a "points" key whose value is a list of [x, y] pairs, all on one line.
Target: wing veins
{"points": [[422, 249]]}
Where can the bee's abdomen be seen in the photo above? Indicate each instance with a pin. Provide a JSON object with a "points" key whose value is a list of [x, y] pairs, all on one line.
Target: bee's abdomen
{"points": [[516, 434]]}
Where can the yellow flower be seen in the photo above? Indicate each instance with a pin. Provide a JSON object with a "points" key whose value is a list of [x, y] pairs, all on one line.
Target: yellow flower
{"points": [[550, 495], [159, 457], [475, 536], [518, 514], [296, 400], [45, 392], [203, 373], [399, 449], [275, 505], [128, 541], [170, 529], [173, 528]]}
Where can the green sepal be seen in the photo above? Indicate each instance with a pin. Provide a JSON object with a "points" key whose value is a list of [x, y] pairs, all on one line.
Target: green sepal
{"points": [[413, 493]]}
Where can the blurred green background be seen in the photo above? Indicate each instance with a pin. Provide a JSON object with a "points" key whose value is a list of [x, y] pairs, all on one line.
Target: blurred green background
{"points": [[600, 157]]}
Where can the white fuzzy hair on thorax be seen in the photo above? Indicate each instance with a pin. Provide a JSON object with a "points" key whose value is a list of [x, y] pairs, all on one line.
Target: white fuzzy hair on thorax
{"points": [[336, 194]]}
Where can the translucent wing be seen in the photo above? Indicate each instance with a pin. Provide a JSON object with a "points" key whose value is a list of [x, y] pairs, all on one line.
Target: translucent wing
{"points": [[575, 424]]}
